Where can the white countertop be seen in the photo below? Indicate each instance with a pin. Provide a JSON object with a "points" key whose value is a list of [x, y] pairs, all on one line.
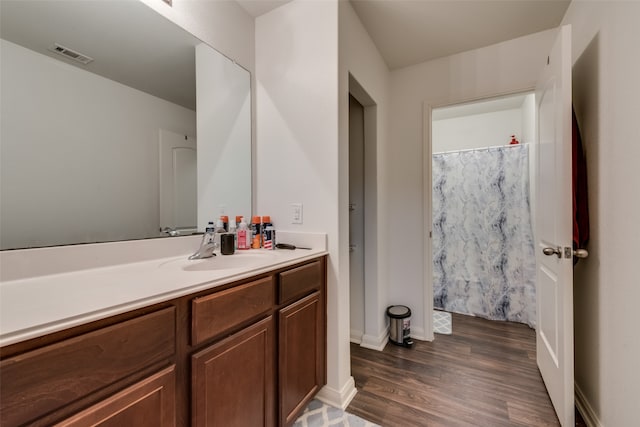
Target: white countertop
{"points": [[37, 306]]}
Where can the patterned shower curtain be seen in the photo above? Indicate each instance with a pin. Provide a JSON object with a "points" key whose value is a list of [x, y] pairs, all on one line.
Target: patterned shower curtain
{"points": [[483, 250]]}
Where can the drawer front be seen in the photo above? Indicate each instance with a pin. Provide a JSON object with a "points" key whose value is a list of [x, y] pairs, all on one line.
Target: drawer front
{"points": [[300, 281], [221, 312], [150, 402], [43, 380]]}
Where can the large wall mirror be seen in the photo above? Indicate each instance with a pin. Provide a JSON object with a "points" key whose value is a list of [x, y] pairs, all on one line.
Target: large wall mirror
{"points": [[115, 123]]}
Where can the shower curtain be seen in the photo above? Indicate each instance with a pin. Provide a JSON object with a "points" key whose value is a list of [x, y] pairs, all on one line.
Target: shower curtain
{"points": [[483, 250]]}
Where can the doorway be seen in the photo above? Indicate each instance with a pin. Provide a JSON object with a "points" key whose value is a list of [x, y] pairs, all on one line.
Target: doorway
{"points": [[356, 219], [366, 299], [483, 258]]}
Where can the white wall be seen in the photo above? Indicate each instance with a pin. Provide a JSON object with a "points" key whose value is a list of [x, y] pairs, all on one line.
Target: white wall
{"points": [[476, 130], [606, 97], [224, 137], [98, 126], [486, 72], [297, 147], [360, 58]]}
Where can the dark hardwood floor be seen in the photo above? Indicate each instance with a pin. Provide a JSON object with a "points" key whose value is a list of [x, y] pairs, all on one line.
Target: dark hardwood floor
{"points": [[484, 374]]}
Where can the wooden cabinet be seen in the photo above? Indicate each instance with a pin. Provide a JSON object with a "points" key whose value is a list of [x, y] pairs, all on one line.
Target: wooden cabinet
{"points": [[233, 380], [150, 402], [45, 383], [301, 367], [249, 353]]}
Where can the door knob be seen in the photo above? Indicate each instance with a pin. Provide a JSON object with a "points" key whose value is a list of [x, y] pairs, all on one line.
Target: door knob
{"points": [[552, 251], [580, 253]]}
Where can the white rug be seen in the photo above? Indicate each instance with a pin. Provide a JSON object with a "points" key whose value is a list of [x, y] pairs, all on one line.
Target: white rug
{"points": [[317, 414], [441, 322]]}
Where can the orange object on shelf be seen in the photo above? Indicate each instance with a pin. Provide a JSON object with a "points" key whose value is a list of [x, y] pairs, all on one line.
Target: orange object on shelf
{"points": [[256, 233]]}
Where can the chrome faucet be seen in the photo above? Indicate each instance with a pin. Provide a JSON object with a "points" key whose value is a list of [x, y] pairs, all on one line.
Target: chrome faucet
{"points": [[170, 231], [207, 246]]}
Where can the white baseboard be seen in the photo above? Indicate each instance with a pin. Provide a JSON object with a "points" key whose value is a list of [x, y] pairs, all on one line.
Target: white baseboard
{"points": [[375, 342], [356, 336], [338, 398], [585, 409], [418, 333]]}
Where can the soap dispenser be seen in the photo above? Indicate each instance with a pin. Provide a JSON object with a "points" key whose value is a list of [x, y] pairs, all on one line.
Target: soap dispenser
{"points": [[244, 235]]}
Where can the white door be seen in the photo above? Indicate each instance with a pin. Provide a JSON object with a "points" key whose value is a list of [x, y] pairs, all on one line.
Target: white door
{"points": [[178, 177], [554, 228]]}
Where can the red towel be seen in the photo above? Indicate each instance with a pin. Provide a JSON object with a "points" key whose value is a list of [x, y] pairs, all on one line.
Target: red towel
{"points": [[580, 199]]}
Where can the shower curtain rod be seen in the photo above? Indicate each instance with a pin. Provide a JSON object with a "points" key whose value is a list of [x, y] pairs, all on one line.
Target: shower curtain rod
{"points": [[481, 149]]}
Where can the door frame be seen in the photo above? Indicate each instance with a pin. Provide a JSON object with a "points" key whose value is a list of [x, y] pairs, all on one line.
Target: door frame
{"points": [[427, 196], [374, 300]]}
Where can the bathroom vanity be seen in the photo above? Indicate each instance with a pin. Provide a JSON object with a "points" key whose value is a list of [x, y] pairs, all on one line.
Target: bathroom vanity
{"points": [[246, 348]]}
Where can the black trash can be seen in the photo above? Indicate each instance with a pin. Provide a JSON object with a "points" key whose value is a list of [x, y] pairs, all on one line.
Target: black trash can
{"points": [[400, 325]]}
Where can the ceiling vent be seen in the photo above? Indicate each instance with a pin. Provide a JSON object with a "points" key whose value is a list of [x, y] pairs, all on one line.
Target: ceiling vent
{"points": [[70, 54]]}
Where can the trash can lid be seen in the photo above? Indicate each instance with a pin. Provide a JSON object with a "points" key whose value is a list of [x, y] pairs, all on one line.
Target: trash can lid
{"points": [[398, 311]]}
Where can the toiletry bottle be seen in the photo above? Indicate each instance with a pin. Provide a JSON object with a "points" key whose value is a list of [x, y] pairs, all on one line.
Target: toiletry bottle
{"points": [[243, 235], [269, 236], [225, 222], [233, 230], [211, 228], [218, 231], [256, 233], [267, 231]]}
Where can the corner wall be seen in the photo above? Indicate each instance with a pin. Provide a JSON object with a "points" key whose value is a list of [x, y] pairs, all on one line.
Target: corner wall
{"points": [[494, 70], [606, 97], [297, 150], [228, 28], [360, 58]]}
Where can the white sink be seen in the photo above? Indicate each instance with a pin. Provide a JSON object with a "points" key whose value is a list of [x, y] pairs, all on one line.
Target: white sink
{"points": [[241, 259]]}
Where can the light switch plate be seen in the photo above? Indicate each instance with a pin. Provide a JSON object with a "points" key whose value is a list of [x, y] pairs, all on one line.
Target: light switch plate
{"points": [[296, 213]]}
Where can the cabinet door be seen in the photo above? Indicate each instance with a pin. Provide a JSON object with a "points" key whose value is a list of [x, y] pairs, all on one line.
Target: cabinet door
{"points": [[301, 344], [150, 402], [233, 382]]}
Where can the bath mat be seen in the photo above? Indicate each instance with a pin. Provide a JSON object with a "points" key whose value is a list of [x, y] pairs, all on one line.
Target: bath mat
{"points": [[317, 414], [441, 322]]}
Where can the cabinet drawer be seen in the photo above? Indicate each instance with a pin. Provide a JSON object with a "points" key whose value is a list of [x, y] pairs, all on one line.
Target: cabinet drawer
{"points": [[43, 380], [300, 281], [222, 311]]}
